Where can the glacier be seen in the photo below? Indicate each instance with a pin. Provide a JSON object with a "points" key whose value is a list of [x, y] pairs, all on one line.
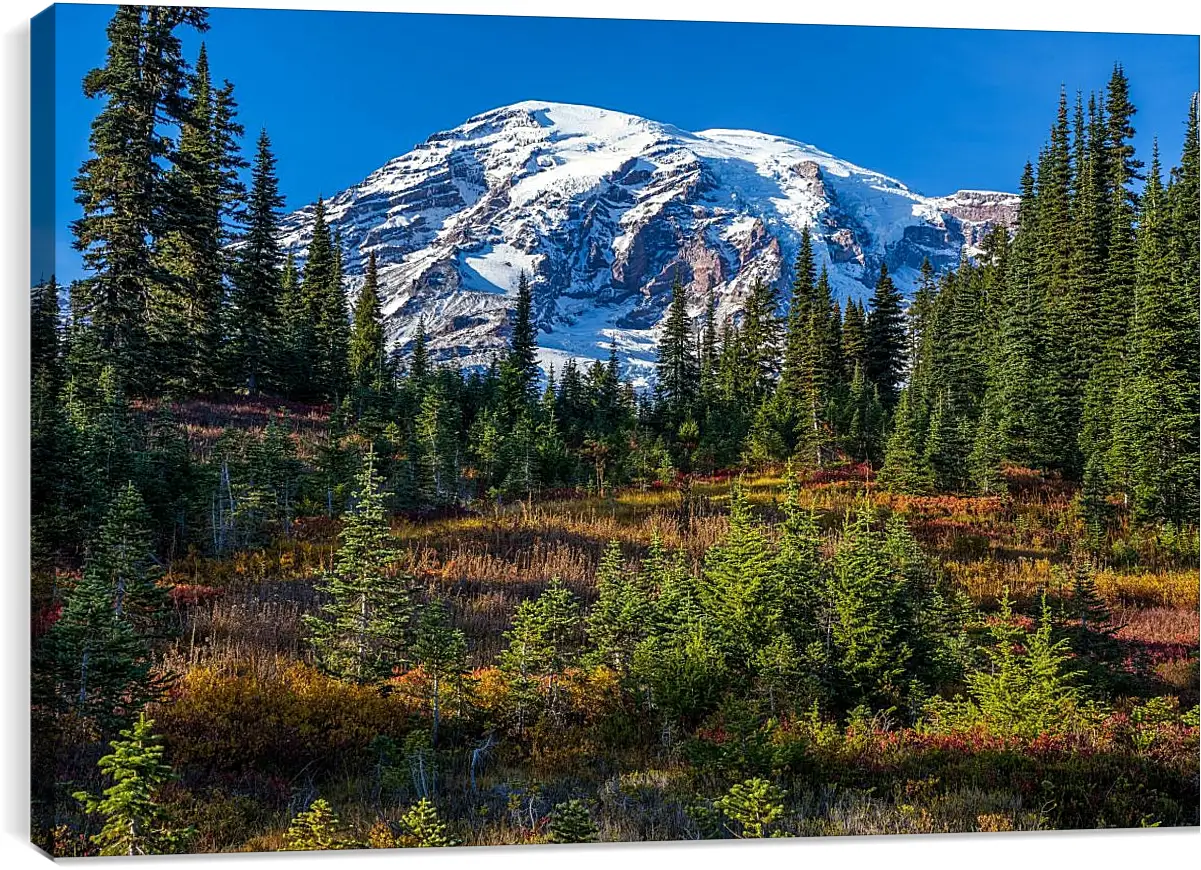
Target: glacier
{"points": [[603, 210]]}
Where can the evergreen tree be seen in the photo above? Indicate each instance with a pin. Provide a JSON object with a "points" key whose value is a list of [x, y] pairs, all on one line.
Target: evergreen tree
{"points": [[886, 340], [362, 632], [864, 414], [1154, 448], [1184, 196], [423, 828], [739, 592], [44, 334], [523, 342], [984, 461], [1025, 688], [321, 344], [761, 337], [100, 646], [889, 625], [366, 352], [317, 828], [435, 431], [677, 365], [796, 391], [441, 651], [258, 301], [542, 642], [333, 326], [617, 622], [1019, 371], [906, 468], [753, 805], [825, 368], [1117, 295], [854, 339], [570, 822], [947, 445], [709, 354], [202, 192], [419, 366], [297, 349], [120, 187], [135, 821]]}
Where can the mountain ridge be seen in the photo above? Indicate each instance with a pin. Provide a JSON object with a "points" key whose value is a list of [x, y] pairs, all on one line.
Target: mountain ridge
{"points": [[603, 209]]}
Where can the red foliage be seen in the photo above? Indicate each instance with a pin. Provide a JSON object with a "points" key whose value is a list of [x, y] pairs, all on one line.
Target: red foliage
{"points": [[189, 595], [44, 618]]}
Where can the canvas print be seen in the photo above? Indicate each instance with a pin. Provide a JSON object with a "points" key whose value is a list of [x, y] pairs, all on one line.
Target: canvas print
{"points": [[465, 431]]}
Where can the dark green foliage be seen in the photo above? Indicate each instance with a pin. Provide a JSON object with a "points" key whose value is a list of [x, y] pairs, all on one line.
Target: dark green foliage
{"points": [[100, 647], [906, 467], [752, 806], [333, 325], [886, 340], [761, 335], [125, 202], [544, 637], [543, 641], [1024, 688], [1154, 448], [740, 594], [617, 622], [369, 373], [677, 366], [570, 822], [863, 420], [984, 460], [523, 342], [363, 631], [889, 638], [256, 304], [854, 338], [441, 651]]}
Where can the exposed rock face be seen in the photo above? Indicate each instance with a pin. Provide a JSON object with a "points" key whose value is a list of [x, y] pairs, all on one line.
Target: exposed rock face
{"points": [[979, 211], [603, 211]]}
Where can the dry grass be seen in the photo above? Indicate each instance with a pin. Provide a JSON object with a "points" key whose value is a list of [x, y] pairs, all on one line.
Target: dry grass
{"points": [[488, 562]]}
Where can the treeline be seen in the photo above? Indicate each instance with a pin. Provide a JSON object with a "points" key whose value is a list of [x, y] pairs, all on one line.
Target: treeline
{"points": [[1070, 347]]}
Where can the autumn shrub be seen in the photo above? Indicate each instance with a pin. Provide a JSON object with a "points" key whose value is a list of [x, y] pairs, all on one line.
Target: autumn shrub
{"points": [[233, 722]]}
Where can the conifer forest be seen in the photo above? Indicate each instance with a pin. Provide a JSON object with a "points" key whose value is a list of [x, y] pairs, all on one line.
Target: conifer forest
{"points": [[910, 565]]}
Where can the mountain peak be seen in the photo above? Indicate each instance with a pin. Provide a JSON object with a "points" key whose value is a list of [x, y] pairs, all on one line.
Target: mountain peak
{"points": [[602, 209]]}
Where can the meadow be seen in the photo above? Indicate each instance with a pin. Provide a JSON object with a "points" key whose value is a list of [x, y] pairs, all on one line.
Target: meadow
{"points": [[257, 733]]}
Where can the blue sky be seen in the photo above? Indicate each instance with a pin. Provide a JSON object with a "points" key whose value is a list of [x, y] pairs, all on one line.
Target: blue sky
{"points": [[341, 93]]}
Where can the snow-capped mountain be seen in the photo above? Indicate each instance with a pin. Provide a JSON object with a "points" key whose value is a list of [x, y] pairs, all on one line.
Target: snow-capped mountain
{"points": [[602, 210]]}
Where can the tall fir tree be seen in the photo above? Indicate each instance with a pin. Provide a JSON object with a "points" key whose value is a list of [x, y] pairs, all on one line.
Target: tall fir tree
{"points": [[255, 322], [886, 337], [523, 341], [368, 369], [126, 206], [761, 337], [854, 339], [1154, 443], [677, 368]]}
